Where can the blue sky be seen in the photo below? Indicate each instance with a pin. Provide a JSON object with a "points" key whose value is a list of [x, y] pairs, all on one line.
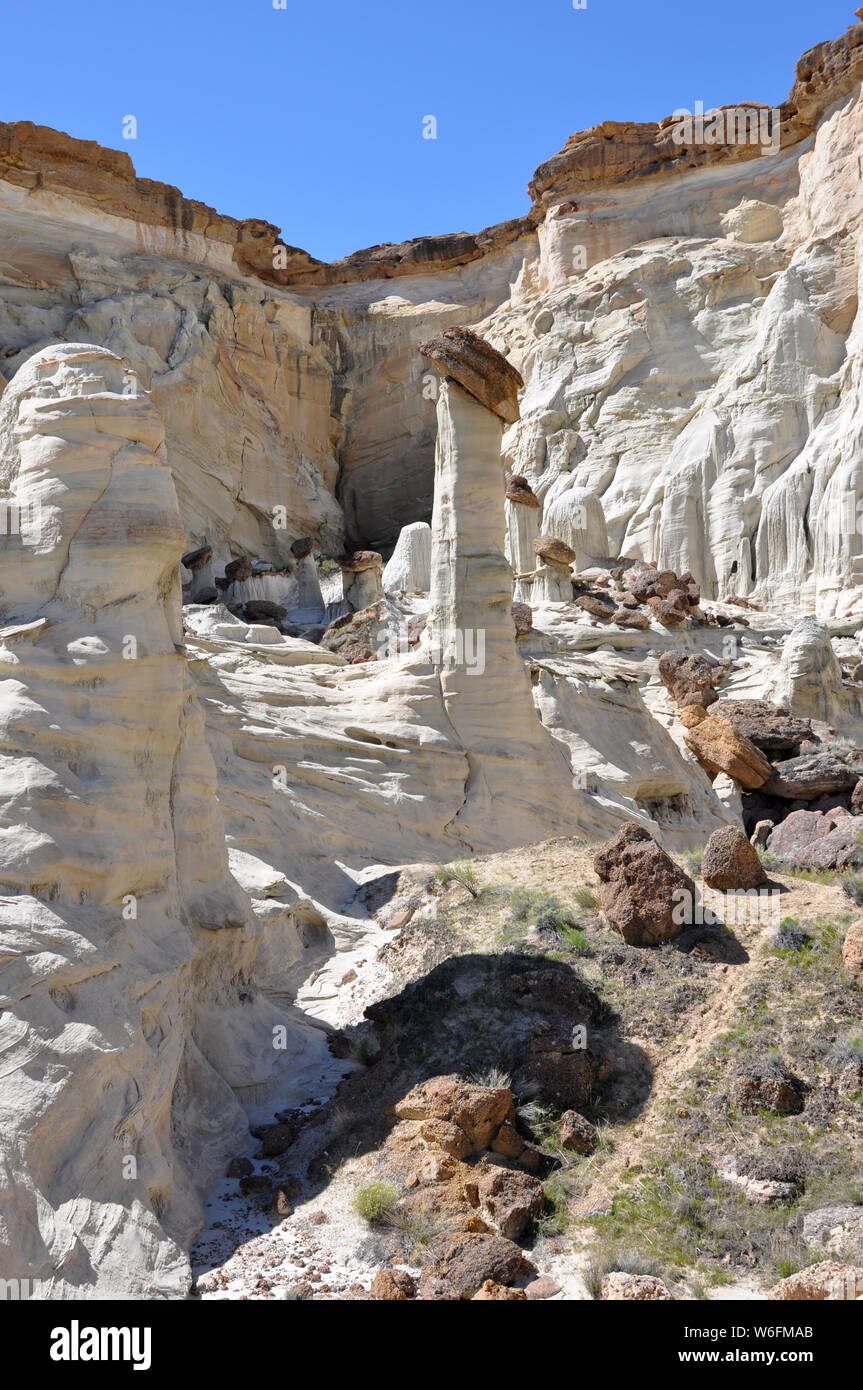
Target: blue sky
{"points": [[311, 116]]}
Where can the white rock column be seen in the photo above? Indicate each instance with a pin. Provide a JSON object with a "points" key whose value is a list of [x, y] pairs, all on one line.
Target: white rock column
{"points": [[114, 872], [409, 566], [199, 563], [309, 603], [523, 511], [515, 767], [553, 583]]}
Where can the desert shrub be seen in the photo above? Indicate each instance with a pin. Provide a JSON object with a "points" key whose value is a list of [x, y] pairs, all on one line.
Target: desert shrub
{"points": [[540, 909], [575, 940], [846, 1050], [852, 887], [585, 898], [612, 1260], [376, 1201], [788, 936], [495, 1077], [459, 871], [546, 913]]}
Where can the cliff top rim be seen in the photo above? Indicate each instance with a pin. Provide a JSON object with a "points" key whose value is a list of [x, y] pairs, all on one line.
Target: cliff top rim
{"points": [[612, 153]]}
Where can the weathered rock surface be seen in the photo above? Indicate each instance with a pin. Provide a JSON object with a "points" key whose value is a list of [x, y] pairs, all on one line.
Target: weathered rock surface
{"points": [[690, 680], [639, 882], [770, 727], [730, 862], [577, 1133], [810, 776], [828, 1280], [478, 368], [720, 748], [619, 1287], [457, 1266], [817, 840], [128, 945], [510, 1201]]}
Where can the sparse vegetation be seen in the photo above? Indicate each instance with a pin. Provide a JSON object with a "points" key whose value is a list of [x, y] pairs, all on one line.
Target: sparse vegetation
{"points": [[495, 1077], [852, 887], [788, 936], [672, 1213], [585, 898], [692, 861], [460, 871], [847, 1050], [375, 1202], [610, 1259]]}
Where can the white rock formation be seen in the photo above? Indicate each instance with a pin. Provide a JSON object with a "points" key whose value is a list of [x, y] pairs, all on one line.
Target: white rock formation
{"points": [[576, 517], [523, 511], [127, 947], [409, 566], [808, 678], [692, 396], [518, 772], [362, 578], [307, 605]]}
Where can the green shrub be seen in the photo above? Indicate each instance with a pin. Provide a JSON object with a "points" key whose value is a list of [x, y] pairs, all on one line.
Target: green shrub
{"points": [[692, 860], [585, 898], [376, 1201], [852, 887], [460, 871], [540, 910]]}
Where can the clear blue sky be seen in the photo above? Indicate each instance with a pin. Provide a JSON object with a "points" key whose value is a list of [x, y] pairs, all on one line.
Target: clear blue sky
{"points": [[311, 116]]}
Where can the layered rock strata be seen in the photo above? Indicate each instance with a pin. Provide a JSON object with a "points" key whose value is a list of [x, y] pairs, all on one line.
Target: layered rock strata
{"points": [[127, 946]]}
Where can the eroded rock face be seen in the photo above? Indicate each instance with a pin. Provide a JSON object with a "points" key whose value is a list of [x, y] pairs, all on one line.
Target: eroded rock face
{"points": [[277, 379], [642, 890], [114, 872]]}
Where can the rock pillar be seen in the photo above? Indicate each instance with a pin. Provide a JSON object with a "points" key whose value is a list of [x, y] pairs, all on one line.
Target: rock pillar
{"points": [[515, 766]]}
